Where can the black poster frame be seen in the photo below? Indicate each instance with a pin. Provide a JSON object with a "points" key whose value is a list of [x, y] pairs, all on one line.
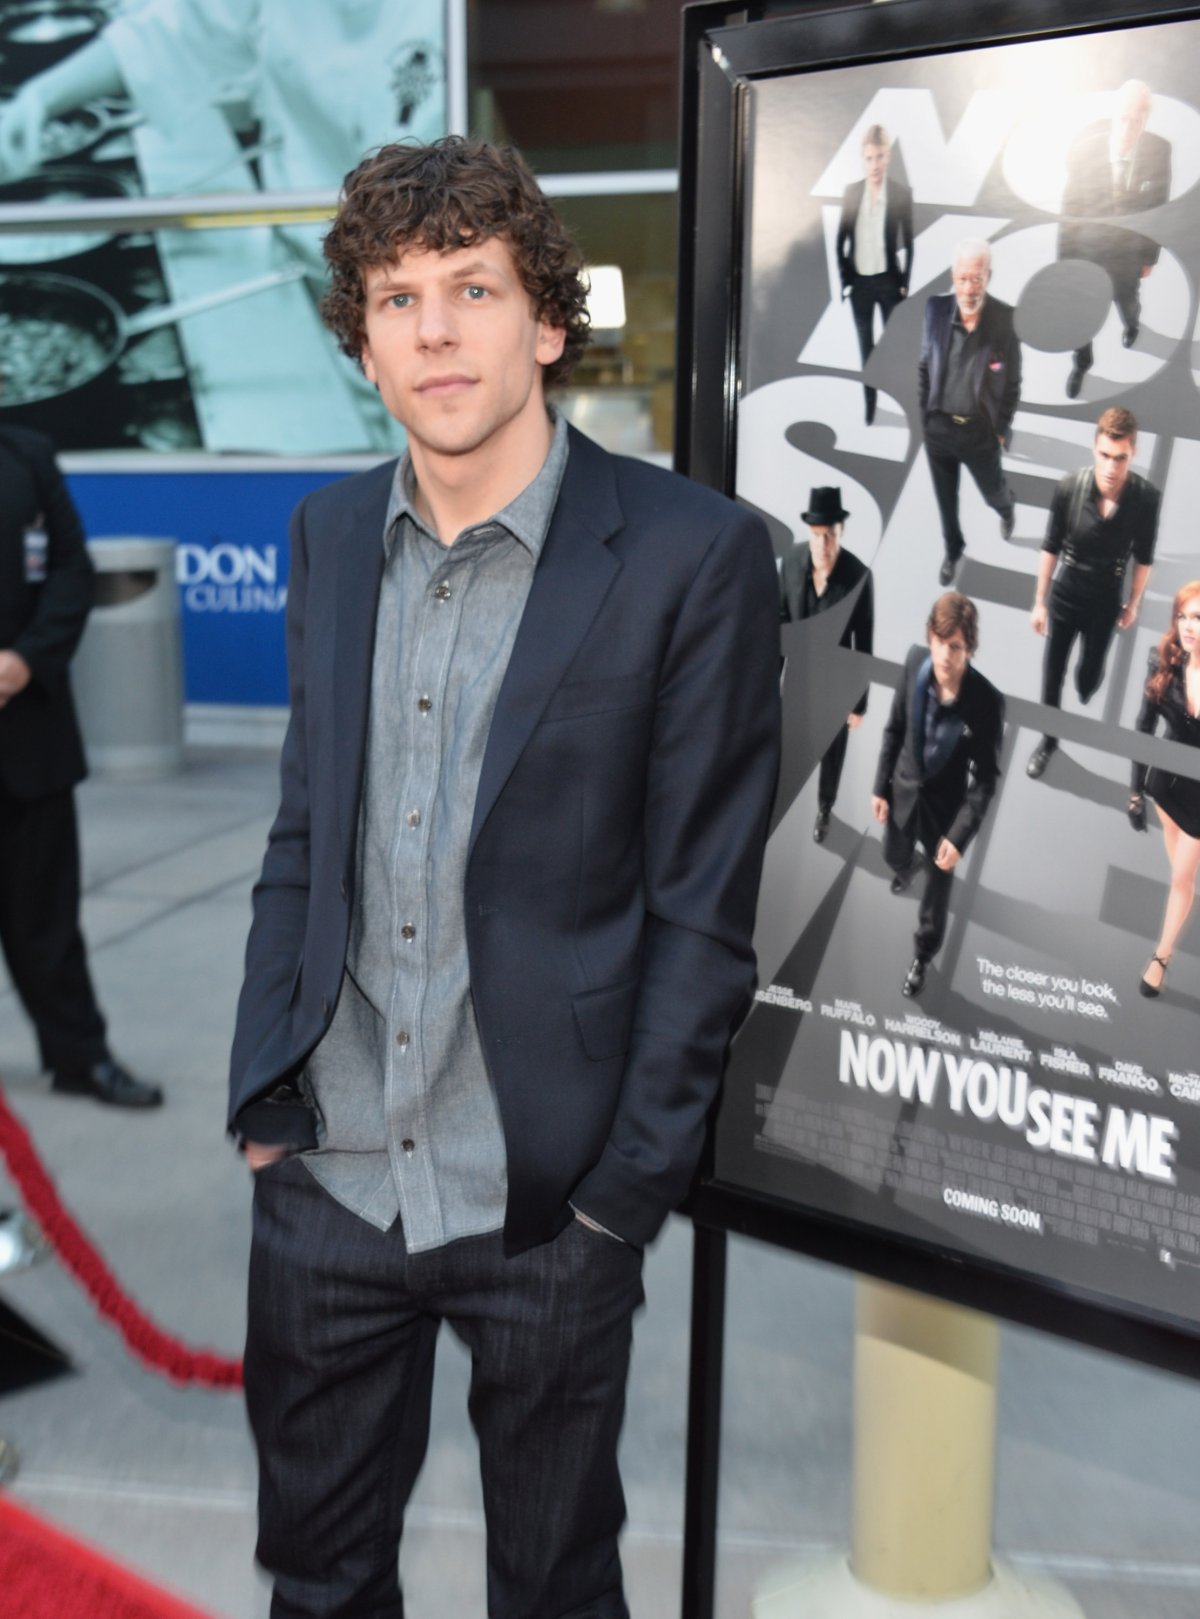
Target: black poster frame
{"points": [[726, 48]]}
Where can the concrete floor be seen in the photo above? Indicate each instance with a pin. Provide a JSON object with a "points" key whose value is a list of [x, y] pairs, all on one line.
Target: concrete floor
{"points": [[1098, 1472]]}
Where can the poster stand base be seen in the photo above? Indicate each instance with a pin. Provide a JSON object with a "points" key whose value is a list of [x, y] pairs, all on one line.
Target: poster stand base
{"points": [[828, 1590]]}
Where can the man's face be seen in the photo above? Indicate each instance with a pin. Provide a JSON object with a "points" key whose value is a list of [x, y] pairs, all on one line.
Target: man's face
{"points": [[950, 658], [970, 278], [1112, 457], [454, 346], [1129, 120], [823, 541], [875, 162]]}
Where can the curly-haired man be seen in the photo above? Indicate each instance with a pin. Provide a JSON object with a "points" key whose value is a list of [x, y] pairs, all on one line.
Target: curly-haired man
{"points": [[503, 925]]}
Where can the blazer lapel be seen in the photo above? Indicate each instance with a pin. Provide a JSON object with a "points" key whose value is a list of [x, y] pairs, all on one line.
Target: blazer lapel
{"points": [[920, 699], [572, 578], [359, 572]]}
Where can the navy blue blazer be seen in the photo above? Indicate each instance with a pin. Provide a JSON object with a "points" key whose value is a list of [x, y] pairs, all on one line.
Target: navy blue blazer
{"points": [[617, 838], [997, 369]]}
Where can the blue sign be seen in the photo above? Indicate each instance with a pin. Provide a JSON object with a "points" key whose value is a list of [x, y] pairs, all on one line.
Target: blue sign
{"points": [[231, 530]]}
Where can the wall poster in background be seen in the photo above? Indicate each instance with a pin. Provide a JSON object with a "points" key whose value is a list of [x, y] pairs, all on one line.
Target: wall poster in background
{"points": [[178, 340], [986, 371]]}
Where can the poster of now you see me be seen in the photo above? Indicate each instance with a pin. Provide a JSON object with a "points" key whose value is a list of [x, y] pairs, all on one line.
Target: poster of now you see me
{"points": [[969, 412]]}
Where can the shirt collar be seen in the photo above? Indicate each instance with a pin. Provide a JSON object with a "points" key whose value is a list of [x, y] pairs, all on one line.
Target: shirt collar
{"points": [[1121, 157], [526, 517]]}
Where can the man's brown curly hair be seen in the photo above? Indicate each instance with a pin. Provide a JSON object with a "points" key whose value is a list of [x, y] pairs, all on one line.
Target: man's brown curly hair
{"points": [[448, 195], [954, 611]]}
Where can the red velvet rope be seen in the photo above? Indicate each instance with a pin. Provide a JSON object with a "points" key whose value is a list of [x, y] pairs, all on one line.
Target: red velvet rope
{"points": [[148, 1342]]}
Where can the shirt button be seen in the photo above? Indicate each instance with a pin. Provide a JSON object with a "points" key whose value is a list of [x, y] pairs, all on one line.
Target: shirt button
{"points": [[409, 1145], [401, 1037], [424, 704], [413, 818], [408, 931], [442, 592]]}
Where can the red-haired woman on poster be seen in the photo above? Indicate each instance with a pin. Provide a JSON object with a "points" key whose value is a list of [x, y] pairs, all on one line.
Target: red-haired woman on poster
{"points": [[1172, 694]]}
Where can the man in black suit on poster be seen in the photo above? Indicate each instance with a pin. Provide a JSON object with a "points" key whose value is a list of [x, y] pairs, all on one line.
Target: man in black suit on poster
{"points": [[45, 595], [816, 574], [938, 767], [1114, 168], [874, 244], [970, 386]]}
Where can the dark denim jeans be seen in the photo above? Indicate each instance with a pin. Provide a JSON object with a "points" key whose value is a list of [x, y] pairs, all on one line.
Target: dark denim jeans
{"points": [[339, 1368]]}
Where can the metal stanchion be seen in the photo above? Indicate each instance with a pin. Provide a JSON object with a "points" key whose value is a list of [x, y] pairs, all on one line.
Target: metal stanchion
{"points": [[924, 1462], [21, 1241]]}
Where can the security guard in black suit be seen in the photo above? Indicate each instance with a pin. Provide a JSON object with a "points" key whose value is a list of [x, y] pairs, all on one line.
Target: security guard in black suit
{"points": [[45, 595]]}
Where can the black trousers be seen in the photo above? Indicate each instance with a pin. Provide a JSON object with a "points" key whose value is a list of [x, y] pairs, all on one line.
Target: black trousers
{"points": [[1093, 622], [830, 775], [951, 446], [867, 294], [339, 1368], [900, 852], [39, 928], [1126, 277]]}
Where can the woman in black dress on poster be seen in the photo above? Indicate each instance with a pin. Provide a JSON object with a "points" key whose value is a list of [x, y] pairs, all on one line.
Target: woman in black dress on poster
{"points": [[1172, 694]]}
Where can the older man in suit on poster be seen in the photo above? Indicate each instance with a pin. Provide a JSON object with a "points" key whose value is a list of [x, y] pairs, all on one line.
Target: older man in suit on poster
{"points": [[1115, 168], [969, 378]]}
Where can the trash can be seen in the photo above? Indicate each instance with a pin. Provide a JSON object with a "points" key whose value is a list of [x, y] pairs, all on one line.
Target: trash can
{"points": [[127, 674]]}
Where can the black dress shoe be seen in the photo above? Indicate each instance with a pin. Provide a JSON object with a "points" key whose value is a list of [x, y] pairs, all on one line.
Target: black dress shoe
{"points": [[1008, 521], [1040, 758], [1130, 336], [946, 571], [821, 825], [901, 880], [1074, 381], [914, 980], [107, 1081]]}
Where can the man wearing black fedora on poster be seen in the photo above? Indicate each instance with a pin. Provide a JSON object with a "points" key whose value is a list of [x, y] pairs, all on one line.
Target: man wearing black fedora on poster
{"points": [[815, 576]]}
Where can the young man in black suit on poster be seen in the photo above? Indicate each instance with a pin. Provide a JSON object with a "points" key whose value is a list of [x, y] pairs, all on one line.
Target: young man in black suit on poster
{"points": [[503, 928], [969, 378], [874, 244], [1103, 525], [45, 597], [814, 577], [1115, 168], [938, 767]]}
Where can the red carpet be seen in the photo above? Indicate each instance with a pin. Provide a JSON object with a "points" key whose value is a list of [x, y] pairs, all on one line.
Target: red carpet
{"points": [[44, 1574]]}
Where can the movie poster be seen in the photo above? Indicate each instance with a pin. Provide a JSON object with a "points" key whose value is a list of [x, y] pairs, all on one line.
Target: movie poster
{"points": [[968, 364]]}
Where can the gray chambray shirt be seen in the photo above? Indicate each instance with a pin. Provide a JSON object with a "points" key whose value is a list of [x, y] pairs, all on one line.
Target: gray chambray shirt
{"points": [[407, 1118]]}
